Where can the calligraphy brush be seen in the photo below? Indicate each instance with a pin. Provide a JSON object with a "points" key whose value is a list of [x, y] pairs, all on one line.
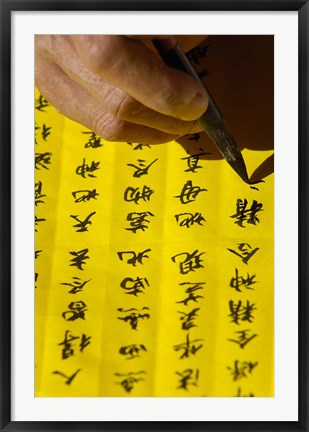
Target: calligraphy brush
{"points": [[212, 120]]}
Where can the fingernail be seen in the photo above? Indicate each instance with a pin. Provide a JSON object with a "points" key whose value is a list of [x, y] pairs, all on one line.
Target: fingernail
{"points": [[195, 109]]}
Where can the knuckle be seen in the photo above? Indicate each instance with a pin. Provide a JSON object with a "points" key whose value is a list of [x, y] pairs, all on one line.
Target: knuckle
{"points": [[109, 128], [99, 52], [168, 98], [124, 109]]}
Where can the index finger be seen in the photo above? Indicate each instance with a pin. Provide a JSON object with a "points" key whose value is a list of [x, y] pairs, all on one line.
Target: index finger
{"points": [[131, 66]]}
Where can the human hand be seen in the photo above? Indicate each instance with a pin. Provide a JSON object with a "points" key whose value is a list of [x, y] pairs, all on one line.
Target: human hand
{"points": [[118, 87]]}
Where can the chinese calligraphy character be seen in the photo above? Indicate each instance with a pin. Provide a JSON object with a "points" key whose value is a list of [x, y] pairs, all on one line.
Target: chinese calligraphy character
{"points": [[189, 219], [189, 193], [86, 195], [82, 224], [139, 146], [135, 195], [84, 169], [243, 338], [41, 103], [246, 214], [246, 252], [192, 162], [37, 220], [194, 137], [37, 253], [77, 310], [240, 395], [193, 286], [136, 257], [42, 160], [188, 319], [134, 286], [141, 169], [69, 379], [132, 351], [77, 285], [191, 261], [45, 131], [67, 350], [241, 312], [79, 259], [38, 193], [188, 377], [238, 281], [241, 369], [133, 317], [94, 140], [130, 379], [198, 53], [138, 221], [188, 347]]}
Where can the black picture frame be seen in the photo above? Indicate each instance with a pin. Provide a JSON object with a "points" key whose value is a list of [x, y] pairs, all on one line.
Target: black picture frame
{"points": [[7, 6]]}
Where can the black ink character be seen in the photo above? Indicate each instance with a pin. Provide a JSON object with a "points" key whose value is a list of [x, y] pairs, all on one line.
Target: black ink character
{"points": [[188, 319], [45, 131], [193, 286], [192, 162], [133, 317], [77, 310], [141, 169], [94, 140], [135, 195], [188, 347], [77, 285], [194, 137], [190, 263], [188, 377], [69, 379], [67, 350], [130, 379], [84, 169], [82, 224], [138, 221], [134, 286], [85, 195], [239, 281], [240, 312], [42, 160], [38, 193], [79, 258], [139, 146], [132, 351], [189, 219], [243, 338], [198, 53], [37, 253], [37, 220], [189, 193], [247, 214], [246, 252], [85, 341], [241, 395], [136, 257], [41, 103], [241, 369]]}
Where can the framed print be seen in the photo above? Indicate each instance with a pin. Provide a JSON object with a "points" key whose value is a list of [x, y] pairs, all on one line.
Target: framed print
{"points": [[154, 215]]}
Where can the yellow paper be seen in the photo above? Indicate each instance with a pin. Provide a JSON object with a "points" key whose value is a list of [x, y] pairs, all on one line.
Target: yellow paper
{"points": [[154, 268]]}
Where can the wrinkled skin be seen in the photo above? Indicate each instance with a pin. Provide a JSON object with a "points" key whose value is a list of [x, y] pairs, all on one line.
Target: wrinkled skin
{"points": [[118, 86]]}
